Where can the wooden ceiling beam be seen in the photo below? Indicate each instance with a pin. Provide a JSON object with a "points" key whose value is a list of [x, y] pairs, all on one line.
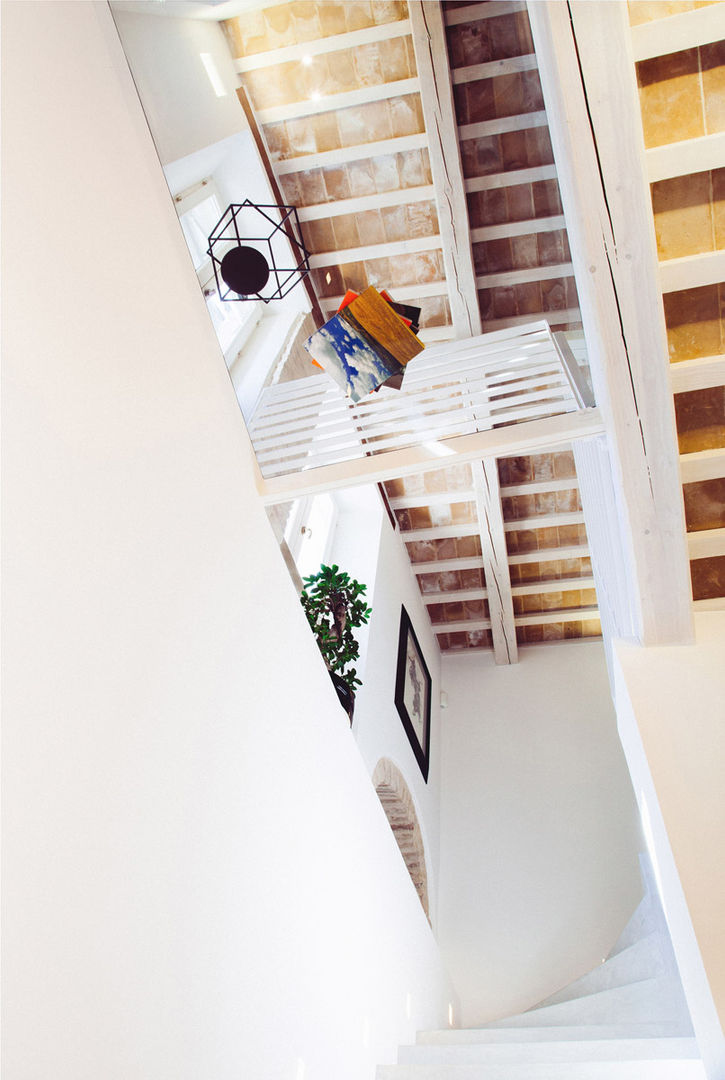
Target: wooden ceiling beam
{"points": [[592, 101], [356, 152], [495, 560], [353, 39]]}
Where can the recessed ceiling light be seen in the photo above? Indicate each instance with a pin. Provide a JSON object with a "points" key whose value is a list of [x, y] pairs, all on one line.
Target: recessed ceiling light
{"points": [[328, 277], [307, 60], [315, 95]]}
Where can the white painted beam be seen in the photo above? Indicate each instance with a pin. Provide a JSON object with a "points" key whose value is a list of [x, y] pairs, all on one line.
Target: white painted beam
{"points": [[702, 465], [400, 197], [687, 156], [364, 95], [376, 251], [334, 43], [430, 498], [712, 603], [443, 566], [700, 373], [436, 95], [706, 544], [537, 487], [401, 293], [502, 124], [436, 333], [550, 554], [554, 318], [518, 277], [528, 437], [359, 152], [531, 618], [511, 178], [674, 33], [592, 100], [495, 560], [532, 588], [692, 271], [518, 228], [489, 9], [492, 68]]}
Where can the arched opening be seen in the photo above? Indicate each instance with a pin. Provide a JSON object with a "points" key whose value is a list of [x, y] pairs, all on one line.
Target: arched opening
{"points": [[398, 805]]}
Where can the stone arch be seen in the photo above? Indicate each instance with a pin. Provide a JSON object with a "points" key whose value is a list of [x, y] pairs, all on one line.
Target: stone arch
{"points": [[399, 808]]}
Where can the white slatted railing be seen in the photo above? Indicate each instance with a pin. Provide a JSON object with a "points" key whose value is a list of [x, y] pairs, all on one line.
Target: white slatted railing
{"points": [[451, 389]]}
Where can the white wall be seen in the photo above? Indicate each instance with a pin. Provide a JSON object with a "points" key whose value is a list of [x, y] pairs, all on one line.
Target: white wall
{"points": [[180, 103], [539, 827], [378, 728], [671, 716], [198, 877]]}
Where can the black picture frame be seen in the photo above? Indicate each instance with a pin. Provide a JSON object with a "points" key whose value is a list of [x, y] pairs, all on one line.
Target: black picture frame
{"points": [[413, 688]]}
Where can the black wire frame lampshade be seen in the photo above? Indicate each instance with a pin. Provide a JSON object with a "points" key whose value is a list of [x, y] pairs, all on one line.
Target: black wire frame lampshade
{"points": [[257, 252]]}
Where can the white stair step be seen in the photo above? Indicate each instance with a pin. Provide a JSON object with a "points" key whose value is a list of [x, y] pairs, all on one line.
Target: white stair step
{"points": [[550, 1052], [649, 999], [643, 960], [580, 1032], [592, 1070]]}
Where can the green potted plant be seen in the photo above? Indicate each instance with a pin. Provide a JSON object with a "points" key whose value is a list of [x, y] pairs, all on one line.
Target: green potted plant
{"points": [[335, 605]]}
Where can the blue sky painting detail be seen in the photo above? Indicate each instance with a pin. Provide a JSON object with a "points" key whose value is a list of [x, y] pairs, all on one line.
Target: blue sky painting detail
{"points": [[351, 356]]}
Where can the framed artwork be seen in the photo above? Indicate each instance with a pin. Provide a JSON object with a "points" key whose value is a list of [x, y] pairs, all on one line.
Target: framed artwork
{"points": [[413, 686]]}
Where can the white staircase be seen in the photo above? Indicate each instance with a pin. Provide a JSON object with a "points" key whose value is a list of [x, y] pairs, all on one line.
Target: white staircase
{"points": [[625, 1020]]}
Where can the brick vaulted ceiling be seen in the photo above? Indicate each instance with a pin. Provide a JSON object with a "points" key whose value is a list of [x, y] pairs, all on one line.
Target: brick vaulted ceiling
{"points": [[337, 94]]}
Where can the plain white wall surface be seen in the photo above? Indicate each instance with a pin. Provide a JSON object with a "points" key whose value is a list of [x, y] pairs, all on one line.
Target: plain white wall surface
{"points": [[539, 826], [199, 880], [182, 107], [378, 727], [671, 713]]}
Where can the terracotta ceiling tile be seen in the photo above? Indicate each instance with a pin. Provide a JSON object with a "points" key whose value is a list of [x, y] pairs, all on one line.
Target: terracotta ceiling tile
{"points": [[413, 168], [545, 502], [705, 505], [508, 95], [532, 95], [641, 11], [403, 519], [318, 235], [439, 514], [700, 416], [530, 602], [307, 20], [528, 298], [552, 632], [291, 189], [683, 215], [422, 219], [358, 14], [280, 26], [718, 206], [670, 98], [421, 551], [443, 642], [386, 176], [551, 247], [457, 641], [468, 546], [591, 628], [327, 135], [519, 202], [588, 597], [312, 187], [406, 115], [523, 29], [708, 577], [712, 60], [354, 276], [332, 18], [524, 252], [435, 311], [514, 150], [395, 224], [693, 322], [503, 31], [477, 639], [334, 287], [471, 579], [370, 227], [463, 513], [553, 294], [482, 97], [394, 488], [379, 272], [515, 470], [529, 635], [481, 156], [460, 103], [446, 548], [336, 181], [365, 63], [538, 148], [361, 178], [530, 571], [437, 613], [419, 517], [567, 501], [414, 484]]}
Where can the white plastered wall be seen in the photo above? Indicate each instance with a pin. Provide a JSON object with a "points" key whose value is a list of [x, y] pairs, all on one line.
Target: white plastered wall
{"points": [[539, 826], [671, 716], [198, 877]]}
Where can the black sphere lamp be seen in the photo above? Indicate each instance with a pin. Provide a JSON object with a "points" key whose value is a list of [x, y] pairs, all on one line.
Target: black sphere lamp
{"points": [[257, 252]]}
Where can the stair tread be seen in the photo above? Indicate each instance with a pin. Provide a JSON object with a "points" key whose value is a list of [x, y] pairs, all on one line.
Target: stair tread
{"points": [[559, 1051], [641, 960], [579, 1032], [654, 998], [682, 1069]]}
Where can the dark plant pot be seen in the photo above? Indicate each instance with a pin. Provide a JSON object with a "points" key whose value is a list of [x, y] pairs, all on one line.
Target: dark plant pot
{"points": [[344, 693]]}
